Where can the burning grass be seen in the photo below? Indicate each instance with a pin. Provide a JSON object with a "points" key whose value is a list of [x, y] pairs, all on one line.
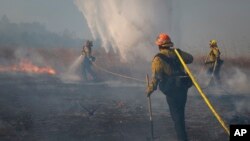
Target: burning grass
{"points": [[98, 112], [58, 60], [26, 66]]}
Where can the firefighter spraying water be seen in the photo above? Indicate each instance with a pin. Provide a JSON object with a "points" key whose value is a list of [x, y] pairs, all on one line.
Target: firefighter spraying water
{"points": [[84, 63], [214, 63], [88, 59]]}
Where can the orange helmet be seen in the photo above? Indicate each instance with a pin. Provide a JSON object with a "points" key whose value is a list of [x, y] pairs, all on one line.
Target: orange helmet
{"points": [[163, 40]]}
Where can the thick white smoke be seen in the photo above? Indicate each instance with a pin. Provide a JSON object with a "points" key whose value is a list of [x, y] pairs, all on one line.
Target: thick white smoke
{"points": [[238, 81], [129, 27]]}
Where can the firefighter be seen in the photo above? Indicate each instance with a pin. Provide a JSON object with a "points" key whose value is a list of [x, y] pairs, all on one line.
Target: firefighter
{"points": [[214, 64], [87, 60], [169, 75]]}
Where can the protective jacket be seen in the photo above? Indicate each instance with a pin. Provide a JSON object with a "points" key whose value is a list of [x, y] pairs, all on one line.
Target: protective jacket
{"points": [[214, 55], [87, 63], [88, 58], [168, 72]]}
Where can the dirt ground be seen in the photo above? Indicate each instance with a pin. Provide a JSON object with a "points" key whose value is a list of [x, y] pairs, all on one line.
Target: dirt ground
{"points": [[42, 108]]}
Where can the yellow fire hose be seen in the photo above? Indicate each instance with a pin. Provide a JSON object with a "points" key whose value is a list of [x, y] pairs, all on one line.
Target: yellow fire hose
{"points": [[117, 74], [194, 82], [202, 93]]}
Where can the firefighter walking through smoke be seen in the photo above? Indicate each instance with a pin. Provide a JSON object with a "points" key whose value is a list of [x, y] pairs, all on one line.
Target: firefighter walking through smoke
{"points": [[88, 60], [167, 72], [214, 64]]}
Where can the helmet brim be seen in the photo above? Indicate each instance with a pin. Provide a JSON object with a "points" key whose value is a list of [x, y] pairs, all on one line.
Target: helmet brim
{"points": [[169, 44]]}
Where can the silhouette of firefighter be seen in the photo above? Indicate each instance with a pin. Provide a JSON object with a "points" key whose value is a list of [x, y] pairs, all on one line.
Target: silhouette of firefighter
{"points": [[88, 60]]}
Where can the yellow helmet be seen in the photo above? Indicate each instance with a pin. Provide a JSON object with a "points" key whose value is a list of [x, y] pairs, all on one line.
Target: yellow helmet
{"points": [[213, 43]]}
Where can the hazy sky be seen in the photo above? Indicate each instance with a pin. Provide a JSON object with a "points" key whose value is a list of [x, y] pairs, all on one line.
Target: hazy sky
{"points": [[56, 15], [201, 20], [225, 20]]}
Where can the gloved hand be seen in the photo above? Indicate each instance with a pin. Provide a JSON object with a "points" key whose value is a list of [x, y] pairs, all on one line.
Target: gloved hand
{"points": [[209, 62], [92, 59], [149, 90], [82, 53]]}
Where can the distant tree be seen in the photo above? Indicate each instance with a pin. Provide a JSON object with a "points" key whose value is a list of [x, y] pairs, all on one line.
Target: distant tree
{"points": [[33, 35]]}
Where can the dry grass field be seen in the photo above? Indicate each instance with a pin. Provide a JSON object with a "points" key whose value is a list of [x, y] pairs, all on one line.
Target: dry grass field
{"points": [[42, 107]]}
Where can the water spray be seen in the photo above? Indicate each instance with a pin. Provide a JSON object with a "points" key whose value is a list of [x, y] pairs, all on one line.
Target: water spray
{"points": [[76, 64], [127, 27], [71, 74]]}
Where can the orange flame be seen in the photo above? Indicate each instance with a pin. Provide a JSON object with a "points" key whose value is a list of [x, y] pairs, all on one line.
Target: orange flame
{"points": [[27, 66]]}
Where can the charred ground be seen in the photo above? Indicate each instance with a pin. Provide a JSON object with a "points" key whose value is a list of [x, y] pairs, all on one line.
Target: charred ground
{"points": [[42, 107]]}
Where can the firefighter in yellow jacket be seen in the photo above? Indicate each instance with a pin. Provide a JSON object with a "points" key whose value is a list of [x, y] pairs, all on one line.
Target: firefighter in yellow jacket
{"points": [[169, 75], [214, 63]]}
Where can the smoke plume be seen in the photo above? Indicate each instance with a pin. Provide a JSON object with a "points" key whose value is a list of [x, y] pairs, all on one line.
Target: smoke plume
{"points": [[128, 27], [238, 81]]}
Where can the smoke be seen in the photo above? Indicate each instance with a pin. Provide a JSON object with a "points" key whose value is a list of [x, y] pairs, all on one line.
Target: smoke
{"points": [[26, 53], [237, 84], [242, 106], [234, 81], [128, 27], [238, 81], [116, 83]]}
